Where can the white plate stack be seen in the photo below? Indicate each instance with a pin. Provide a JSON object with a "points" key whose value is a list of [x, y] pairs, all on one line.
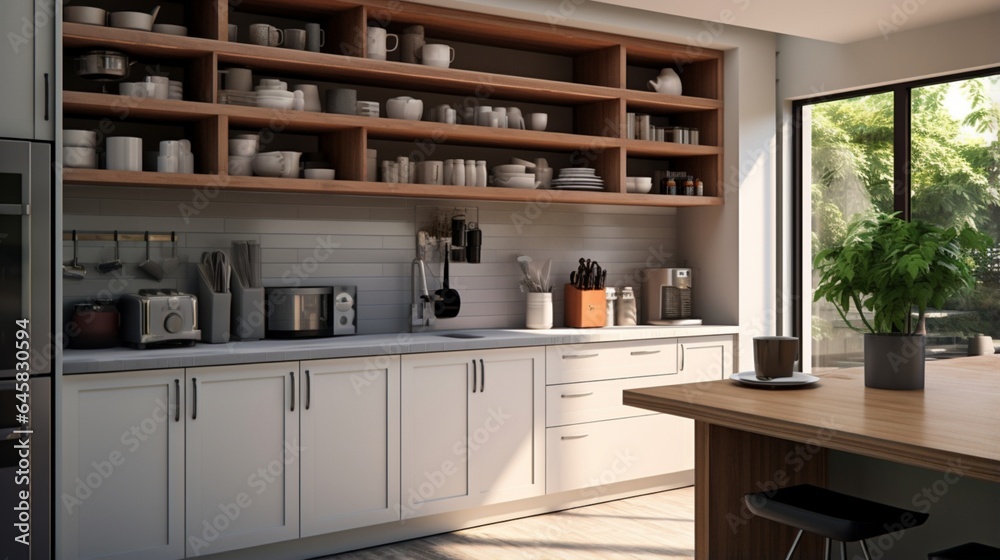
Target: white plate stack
{"points": [[578, 179]]}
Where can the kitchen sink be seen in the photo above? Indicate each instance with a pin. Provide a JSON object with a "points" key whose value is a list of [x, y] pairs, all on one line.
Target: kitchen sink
{"points": [[459, 335]]}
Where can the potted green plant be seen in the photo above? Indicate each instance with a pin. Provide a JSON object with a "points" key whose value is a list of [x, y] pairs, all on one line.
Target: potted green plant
{"points": [[885, 269]]}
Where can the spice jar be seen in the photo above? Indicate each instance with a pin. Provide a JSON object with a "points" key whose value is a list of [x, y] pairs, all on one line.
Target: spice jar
{"points": [[625, 314]]}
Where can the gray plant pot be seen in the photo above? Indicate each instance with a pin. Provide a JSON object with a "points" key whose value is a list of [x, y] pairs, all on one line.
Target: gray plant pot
{"points": [[894, 361]]}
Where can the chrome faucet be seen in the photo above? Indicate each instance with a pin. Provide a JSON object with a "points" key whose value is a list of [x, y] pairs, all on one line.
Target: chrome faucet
{"points": [[422, 311]]}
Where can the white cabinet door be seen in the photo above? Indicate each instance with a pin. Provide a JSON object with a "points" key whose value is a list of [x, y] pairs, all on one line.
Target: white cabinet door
{"points": [[28, 68], [464, 444], [242, 456], [122, 466], [705, 358], [350, 443], [507, 435], [435, 392]]}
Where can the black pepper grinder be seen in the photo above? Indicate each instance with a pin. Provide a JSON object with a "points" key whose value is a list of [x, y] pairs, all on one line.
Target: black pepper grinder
{"points": [[474, 243]]}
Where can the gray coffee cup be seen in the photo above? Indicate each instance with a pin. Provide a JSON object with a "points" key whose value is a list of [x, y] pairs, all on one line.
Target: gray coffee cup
{"points": [[295, 39], [315, 37], [342, 100], [774, 356]]}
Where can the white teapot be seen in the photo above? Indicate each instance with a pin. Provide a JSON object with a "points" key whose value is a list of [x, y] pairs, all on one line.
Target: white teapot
{"points": [[405, 108], [667, 82]]}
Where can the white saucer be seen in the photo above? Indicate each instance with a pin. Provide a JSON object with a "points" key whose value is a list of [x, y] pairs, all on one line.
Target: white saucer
{"points": [[797, 379]]}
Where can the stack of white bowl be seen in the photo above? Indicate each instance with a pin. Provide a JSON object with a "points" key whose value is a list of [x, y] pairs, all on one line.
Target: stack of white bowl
{"points": [[540, 167], [641, 185], [274, 94], [368, 108], [155, 87], [514, 176], [242, 149], [79, 148]]}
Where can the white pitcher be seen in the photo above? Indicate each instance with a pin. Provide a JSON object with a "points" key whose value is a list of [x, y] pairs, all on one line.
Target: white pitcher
{"points": [[667, 82]]}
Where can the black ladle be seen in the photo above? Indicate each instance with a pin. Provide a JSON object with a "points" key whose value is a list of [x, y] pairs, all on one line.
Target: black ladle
{"points": [[447, 302]]}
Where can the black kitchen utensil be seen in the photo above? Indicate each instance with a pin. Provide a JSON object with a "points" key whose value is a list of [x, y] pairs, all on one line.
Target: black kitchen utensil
{"points": [[112, 265], [447, 302]]}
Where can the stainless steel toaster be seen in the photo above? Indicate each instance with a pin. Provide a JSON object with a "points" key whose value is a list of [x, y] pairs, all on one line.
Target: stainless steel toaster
{"points": [[158, 317]]}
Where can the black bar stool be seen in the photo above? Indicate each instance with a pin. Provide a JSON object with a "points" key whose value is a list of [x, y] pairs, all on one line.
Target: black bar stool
{"points": [[830, 514], [967, 551]]}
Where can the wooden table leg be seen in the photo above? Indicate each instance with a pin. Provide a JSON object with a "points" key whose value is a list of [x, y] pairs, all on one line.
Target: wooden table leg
{"points": [[730, 463]]}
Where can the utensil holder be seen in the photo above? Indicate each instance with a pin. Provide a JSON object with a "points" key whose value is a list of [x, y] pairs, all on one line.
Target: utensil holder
{"points": [[213, 311], [248, 309], [538, 312], [584, 308]]}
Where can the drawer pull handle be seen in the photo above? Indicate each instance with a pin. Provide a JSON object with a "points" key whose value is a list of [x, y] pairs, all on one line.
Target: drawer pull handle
{"points": [[644, 352], [579, 356], [177, 397], [575, 437], [575, 395]]}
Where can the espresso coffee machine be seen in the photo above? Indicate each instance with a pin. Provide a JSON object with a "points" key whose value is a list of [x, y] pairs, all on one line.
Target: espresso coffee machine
{"points": [[666, 297]]}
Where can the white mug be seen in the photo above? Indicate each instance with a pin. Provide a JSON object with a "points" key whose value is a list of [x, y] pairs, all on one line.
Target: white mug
{"points": [[378, 40], [124, 153], [266, 35], [539, 121], [167, 164], [170, 148], [430, 172], [514, 118], [310, 95], [437, 54]]}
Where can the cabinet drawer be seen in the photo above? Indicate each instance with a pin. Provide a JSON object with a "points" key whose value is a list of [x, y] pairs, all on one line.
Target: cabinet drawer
{"points": [[591, 456], [610, 360], [573, 403]]}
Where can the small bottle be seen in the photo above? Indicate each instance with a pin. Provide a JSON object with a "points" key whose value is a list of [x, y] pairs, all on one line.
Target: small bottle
{"points": [[689, 187], [458, 176], [470, 172], [699, 188], [625, 314], [449, 171], [481, 175], [671, 186], [609, 294]]}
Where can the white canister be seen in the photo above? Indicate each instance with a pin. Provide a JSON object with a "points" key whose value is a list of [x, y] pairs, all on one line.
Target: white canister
{"points": [[458, 177], [470, 172], [538, 314]]}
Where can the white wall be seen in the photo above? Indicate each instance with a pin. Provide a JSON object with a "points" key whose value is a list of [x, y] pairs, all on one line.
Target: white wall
{"points": [[808, 68]]}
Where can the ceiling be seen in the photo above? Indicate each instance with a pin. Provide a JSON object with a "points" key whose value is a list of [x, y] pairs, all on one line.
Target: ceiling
{"points": [[839, 21]]}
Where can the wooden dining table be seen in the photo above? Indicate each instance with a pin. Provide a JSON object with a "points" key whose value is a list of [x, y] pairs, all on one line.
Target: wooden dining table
{"points": [[756, 439]]}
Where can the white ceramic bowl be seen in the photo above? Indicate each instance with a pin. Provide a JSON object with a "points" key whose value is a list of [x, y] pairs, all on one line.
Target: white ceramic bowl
{"points": [[75, 156], [138, 89], [170, 29], [275, 103], [272, 92], [509, 168], [268, 83], [242, 147], [131, 20], [527, 164], [637, 189], [268, 164], [320, 173], [85, 14], [516, 182], [248, 136], [76, 138], [241, 166], [514, 175]]}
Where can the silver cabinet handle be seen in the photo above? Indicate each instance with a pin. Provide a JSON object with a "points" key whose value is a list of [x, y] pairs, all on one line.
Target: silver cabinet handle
{"points": [[575, 437], [682, 357], [482, 376], [292, 375], [194, 398], [575, 395], [579, 356], [473, 376], [644, 352], [177, 399]]}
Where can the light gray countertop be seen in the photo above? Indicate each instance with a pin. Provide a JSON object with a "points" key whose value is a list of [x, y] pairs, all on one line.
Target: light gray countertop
{"points": [[125, 359]]}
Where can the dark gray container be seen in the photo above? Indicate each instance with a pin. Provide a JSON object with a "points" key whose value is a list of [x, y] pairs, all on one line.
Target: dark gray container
{"points": [[894, 361]]}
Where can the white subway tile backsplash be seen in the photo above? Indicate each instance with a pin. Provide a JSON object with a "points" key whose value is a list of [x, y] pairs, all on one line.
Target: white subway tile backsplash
{"points": [[368, 242]]}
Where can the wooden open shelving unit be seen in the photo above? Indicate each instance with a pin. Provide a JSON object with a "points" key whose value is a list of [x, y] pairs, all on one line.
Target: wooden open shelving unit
{"points": [[599, 96]]}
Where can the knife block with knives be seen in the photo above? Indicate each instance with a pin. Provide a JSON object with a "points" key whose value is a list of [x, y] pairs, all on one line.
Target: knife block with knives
{"points": [[585, 299]]}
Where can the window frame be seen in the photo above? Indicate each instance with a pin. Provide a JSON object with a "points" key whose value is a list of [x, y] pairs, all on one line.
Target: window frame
{"points": [[901, 151]]}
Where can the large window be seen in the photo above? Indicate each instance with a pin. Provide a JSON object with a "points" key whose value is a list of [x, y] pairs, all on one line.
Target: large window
{"points": [[929, 150]]}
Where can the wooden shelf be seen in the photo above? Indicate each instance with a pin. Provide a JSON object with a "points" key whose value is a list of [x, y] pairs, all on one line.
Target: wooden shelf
{"points": [[603, 66], [101, 177]]}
